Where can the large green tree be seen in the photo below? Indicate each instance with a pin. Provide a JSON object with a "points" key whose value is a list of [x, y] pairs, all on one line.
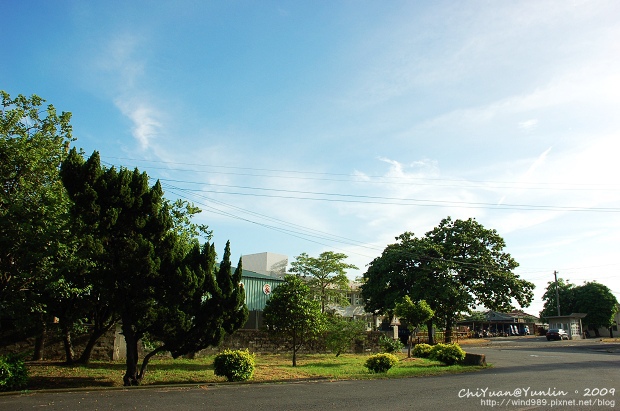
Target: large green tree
{"points": [[35, 244], [147, 267], [455, 267], [292, 315], [592, 298], [326, 276], [199, 304], [566, 293]]}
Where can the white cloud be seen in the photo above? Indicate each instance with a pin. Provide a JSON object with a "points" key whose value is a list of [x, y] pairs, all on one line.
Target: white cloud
{"points": [[146, 125], [528, 125]]}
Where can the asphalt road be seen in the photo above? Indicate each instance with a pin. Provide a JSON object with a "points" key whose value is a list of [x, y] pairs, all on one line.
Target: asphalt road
{"points": [[527, 374]]}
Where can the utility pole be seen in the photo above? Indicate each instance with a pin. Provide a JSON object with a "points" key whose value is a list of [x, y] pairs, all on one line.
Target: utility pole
{"points": [[557, 292]]}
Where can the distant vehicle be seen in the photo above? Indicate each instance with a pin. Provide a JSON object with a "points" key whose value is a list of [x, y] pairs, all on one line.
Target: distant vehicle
{"points": [[557, 334]]}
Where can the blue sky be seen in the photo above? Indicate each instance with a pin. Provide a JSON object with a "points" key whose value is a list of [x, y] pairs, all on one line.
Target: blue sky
{"points": [[338, 125]]}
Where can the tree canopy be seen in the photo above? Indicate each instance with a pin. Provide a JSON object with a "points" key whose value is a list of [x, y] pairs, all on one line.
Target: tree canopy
{"points": [[35, 245], [567, 298], [455, 267], [147, 267], [326, 276], [83, 246], [592, 298], [292, 315]]}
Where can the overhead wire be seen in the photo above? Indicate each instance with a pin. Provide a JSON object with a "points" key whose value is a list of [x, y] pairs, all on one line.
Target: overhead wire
{"points": [[362, 178], [306, 232], [397, 201]]}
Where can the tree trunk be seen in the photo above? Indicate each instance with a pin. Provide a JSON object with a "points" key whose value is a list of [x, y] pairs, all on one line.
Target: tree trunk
{"points": [[131, 373], [96, 333], [39, 342], [429, 326], [66, 339], [146, 361], [409, 347], [448, 333], [294, 350]]}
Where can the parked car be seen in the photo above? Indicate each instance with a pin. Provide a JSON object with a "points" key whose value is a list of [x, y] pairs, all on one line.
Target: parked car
{"points": [[557, 334]]}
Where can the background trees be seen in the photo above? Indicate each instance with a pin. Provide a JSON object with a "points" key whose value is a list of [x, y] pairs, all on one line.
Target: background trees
{"points": [[34, 242], [594, 299], [454, 267], [292, 315], [326, 276], [567, 298]]}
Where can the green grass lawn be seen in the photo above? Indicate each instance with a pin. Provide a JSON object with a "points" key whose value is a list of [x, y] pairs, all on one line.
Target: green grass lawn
{"points": [[269, 367]]}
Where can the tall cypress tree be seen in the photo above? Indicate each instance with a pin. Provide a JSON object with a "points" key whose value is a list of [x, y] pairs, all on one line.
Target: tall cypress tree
{"points": [[146, 267]]}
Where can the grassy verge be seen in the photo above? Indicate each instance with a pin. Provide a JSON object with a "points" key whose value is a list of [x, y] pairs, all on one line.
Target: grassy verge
{"points": [[47, 375]]}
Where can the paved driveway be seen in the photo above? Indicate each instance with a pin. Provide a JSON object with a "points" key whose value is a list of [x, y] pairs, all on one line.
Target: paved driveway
{"points": [[527, 373]]}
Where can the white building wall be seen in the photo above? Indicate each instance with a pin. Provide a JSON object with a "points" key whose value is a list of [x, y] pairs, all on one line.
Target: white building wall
{"points": [[266, 263]]}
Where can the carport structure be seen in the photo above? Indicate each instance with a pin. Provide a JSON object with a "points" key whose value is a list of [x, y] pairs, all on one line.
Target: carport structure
{"points": [[494, 323]]}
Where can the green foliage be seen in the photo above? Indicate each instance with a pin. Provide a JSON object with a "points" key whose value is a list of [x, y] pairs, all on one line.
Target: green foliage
{"points": [[566, 291], [380, 363], [33, 205], [598, 302], [592, 298], [448, 354], [342, 332], [13, 373], [149, 267], [292, 315], [326, 276], [414, 313], [422, 350], [389, 345], [235, 365], [455, 267]]}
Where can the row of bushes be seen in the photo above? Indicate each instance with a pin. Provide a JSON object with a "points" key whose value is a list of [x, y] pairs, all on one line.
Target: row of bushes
{"points": [[239, 365], [448, 354]]}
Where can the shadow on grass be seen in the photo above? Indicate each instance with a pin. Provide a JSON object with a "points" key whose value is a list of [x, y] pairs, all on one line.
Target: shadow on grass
{"points": [[180, 367], [320, 365], [167, 366], [39, 382]]}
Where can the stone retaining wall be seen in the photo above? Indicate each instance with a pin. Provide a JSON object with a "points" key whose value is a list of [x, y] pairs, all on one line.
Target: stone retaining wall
{"points": [[112, 345]]}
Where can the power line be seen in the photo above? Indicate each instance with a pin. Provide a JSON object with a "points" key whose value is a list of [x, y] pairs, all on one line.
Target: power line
{"points": [[346, 198], [298, 174]]}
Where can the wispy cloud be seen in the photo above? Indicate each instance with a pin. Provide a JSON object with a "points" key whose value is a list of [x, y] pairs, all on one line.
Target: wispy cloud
{"points": [[528, 125], [119, 62], [146, 125]]}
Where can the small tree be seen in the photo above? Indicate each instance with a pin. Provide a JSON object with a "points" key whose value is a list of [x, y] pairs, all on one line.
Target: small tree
{"points": [[414, 313], [292, 314], [326, 276], [341, 333]]}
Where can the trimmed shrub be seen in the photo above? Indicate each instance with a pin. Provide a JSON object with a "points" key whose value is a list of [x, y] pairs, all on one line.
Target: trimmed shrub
{"points": [[379, 363], [13, 373], [237, 365], [390, 345], [448, 354], [422, 350]]}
